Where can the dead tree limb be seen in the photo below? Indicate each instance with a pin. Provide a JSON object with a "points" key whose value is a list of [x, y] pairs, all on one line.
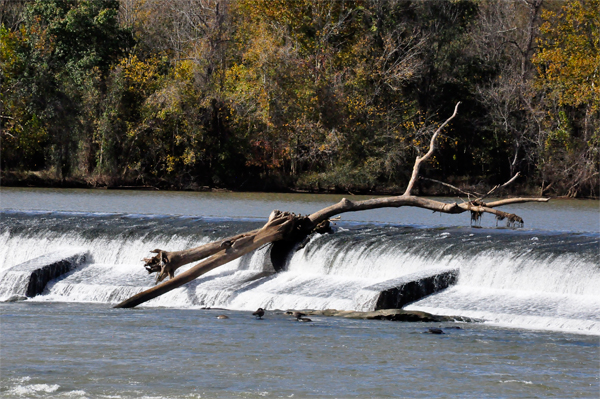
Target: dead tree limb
{"points": [[493, 190], [288, 226], [468, 194], [432, 147], [165, 263], [279, 225]]}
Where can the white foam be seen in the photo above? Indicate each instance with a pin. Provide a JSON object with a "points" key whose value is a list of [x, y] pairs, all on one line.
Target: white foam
{"points": [[374, 259], [110, 250], [561, 274], [517, 309], [75, 394], [28, 390]]}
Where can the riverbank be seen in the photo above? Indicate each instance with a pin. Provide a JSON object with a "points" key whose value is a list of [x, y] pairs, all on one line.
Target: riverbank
{"points": [[45, 179]]}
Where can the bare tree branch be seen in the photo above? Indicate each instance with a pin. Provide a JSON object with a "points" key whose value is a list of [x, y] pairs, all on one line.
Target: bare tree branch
{"points": [[499, 186], [450, 186], [432, 148]]}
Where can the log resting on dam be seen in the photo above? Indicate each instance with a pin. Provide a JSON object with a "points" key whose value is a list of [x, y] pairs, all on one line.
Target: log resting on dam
{"points": [[29, 279], [287, 226]]}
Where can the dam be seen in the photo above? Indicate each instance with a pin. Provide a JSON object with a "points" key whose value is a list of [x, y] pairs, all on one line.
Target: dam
{"points": [[546, 280]]}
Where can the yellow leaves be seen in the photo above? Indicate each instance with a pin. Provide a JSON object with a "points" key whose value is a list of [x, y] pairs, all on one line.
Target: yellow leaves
{"points": [[8, 56], [15, 44], [568, 59], [183, 70], [140, 75], [189, 156], [171, 163], [130, 130]]}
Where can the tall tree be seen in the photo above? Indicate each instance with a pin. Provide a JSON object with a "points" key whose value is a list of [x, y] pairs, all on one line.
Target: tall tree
{"points": [[504, 39], [568, 62], [54, 66]]}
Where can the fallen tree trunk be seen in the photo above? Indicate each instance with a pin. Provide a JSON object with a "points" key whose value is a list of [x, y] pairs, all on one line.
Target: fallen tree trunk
{"points": [[280, 225], [291, 227]]}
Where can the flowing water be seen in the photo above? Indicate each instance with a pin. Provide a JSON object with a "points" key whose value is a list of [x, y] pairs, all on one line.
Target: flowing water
{"points": [[87, 350], [535, 290]]}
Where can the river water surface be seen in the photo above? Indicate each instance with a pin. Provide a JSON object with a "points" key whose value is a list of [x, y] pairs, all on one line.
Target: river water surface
{"points": [[535, 292]]}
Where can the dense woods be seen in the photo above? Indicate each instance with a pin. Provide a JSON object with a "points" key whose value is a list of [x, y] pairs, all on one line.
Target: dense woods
{"points": [[305, 94]]}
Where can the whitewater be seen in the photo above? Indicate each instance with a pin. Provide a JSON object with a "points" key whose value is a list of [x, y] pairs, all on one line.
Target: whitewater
{"points": [[517, 278]]}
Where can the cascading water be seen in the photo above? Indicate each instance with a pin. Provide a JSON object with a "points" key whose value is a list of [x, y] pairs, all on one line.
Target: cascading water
{"points": [[540, 282], [520, 278]]}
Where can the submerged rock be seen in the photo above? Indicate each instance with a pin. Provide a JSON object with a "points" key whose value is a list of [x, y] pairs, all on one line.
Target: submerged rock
{"points": [[30, 278], [16, 298], [435, 330]]}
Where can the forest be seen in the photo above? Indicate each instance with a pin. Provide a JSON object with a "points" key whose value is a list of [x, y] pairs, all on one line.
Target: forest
{"points": [[301, 95]]}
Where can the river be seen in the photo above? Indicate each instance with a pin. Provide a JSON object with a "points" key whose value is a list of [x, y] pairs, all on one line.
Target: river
{"points": [[535, 291]]}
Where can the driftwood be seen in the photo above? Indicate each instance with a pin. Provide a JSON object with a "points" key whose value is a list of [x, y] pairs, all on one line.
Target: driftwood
{"points": [[291, 227]]}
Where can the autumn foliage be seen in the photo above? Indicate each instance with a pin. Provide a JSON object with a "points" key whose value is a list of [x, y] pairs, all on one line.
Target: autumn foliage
{"points": [[304, 94]]}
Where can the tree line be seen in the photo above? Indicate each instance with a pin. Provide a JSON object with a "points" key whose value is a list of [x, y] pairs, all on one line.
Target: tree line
{"points": [[301, 94]]}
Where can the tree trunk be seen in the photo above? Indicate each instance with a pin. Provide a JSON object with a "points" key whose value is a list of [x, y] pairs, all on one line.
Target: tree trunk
{"points": [[280, 225]]}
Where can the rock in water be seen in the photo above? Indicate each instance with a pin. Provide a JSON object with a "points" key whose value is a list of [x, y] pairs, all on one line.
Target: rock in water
{"points": [[30, 278], [435, 330], [16, 298]]}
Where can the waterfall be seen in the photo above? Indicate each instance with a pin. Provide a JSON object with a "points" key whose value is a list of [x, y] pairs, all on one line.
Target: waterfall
{"points": [[519, 278]]}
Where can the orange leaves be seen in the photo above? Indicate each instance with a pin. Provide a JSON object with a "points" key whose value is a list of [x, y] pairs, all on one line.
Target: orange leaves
{"points": [[263, 155]]}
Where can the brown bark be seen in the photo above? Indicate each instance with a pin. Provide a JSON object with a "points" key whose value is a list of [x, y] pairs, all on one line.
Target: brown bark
{"points": [[165, 263], [280, 225], [288, 226]]}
